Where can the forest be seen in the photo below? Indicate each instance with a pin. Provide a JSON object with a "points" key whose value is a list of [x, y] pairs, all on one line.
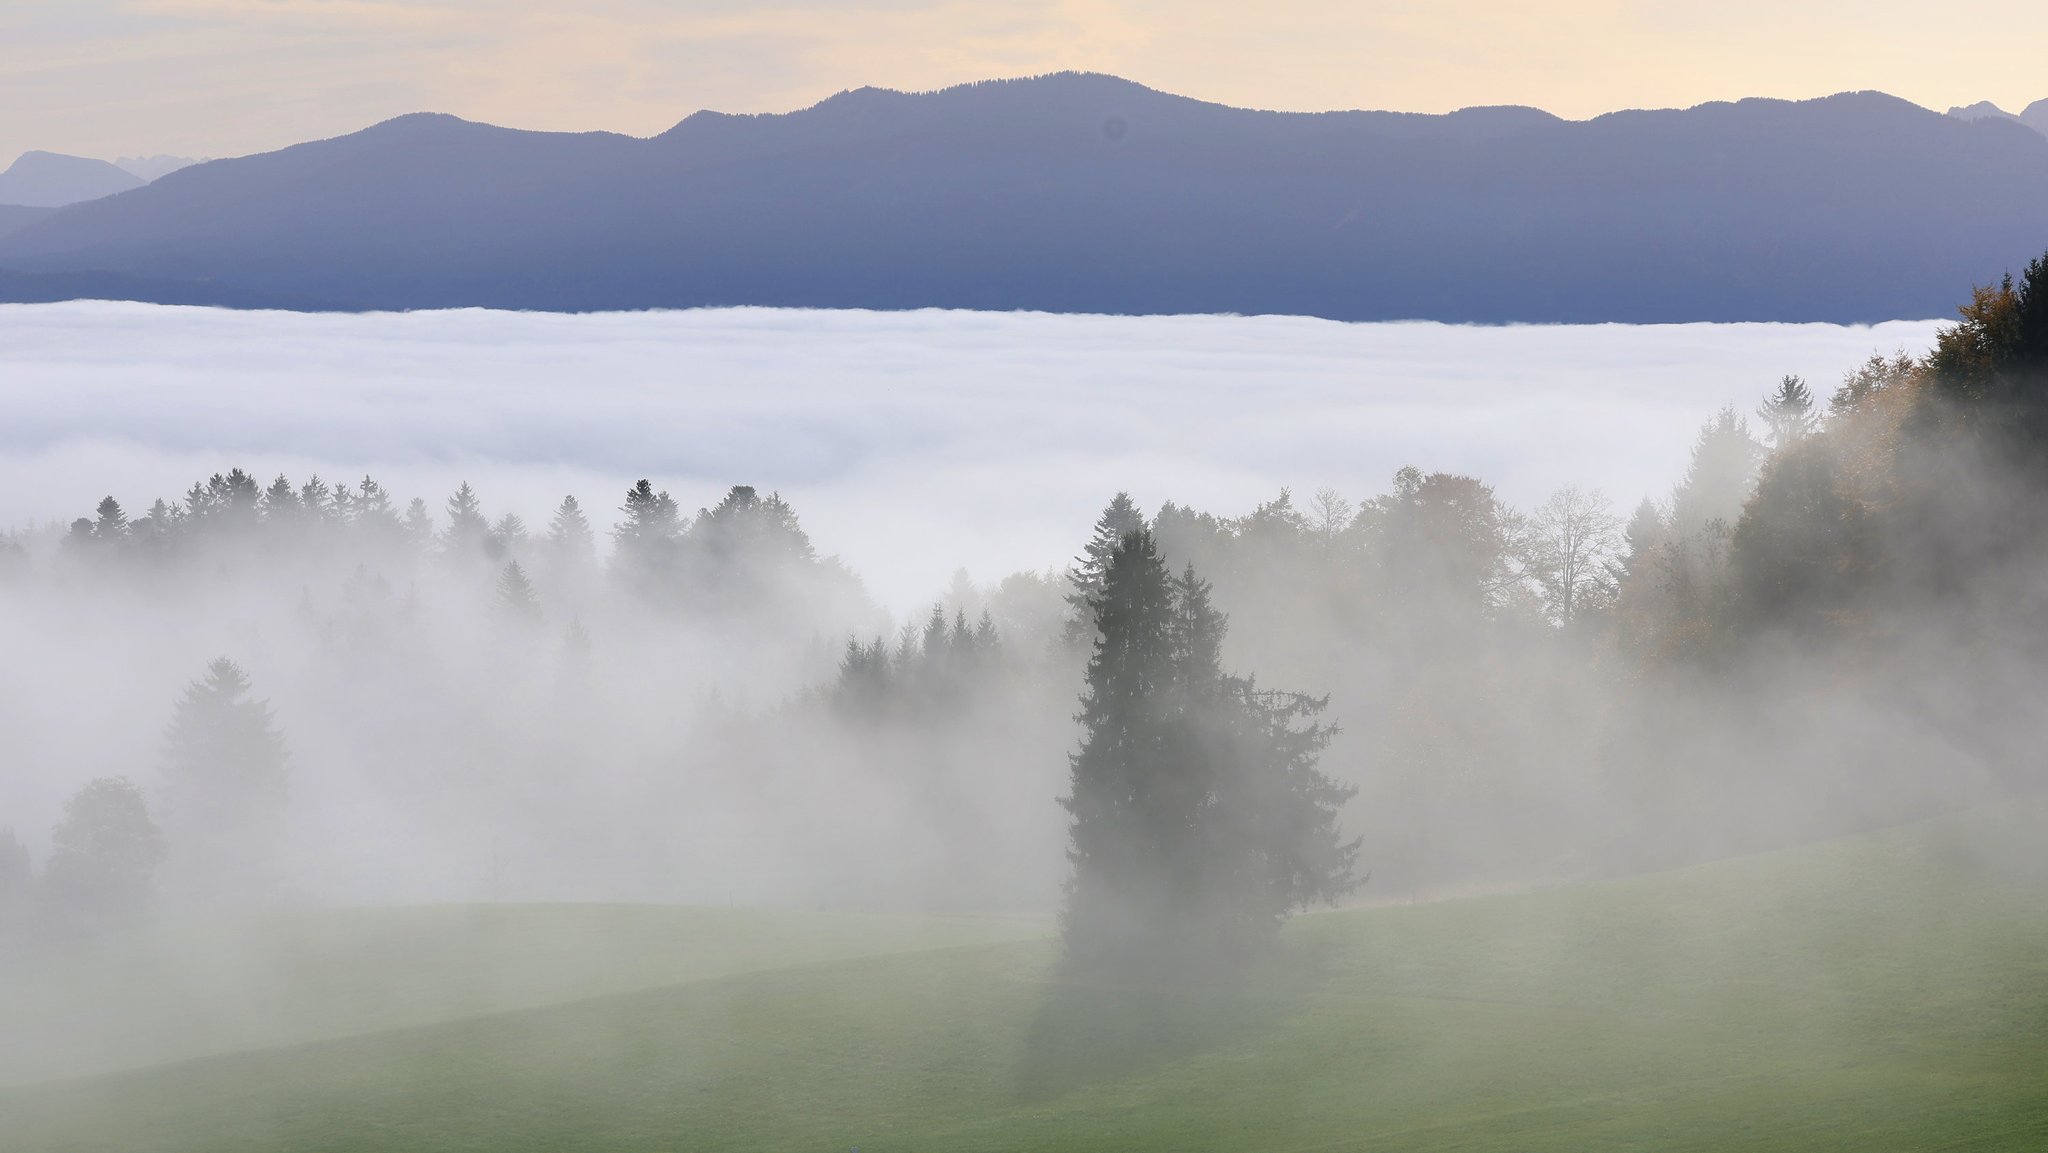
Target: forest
{"points": [[306, 689]]}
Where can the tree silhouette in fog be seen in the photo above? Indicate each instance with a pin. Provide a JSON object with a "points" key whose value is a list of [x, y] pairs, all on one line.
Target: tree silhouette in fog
{"points": [[226, 777], [517, 602], [1120, 518], [104, 854], [1199, 816]]}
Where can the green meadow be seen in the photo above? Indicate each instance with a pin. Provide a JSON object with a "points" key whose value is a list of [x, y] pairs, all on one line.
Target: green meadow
{"points": [[1883, 992]]}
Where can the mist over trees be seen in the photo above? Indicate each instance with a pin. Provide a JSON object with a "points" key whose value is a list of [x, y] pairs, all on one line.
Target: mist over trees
{"points": [[1827, 624], [1200, 818]]}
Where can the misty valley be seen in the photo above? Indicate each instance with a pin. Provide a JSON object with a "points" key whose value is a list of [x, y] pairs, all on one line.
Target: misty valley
{"points": [[1420, 815]]}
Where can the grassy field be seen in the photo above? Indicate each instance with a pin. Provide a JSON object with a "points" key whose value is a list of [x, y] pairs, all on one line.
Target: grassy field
{"points": [[1885, 992]]}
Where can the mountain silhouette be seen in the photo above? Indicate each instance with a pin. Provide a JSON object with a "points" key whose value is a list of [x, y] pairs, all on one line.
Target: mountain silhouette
{"points": [[147, 168], [1086, 193], [14, 217], [2035, 116], [51, 180]]}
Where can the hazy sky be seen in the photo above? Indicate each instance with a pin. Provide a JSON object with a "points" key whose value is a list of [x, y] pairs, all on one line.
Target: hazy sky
{"points": [[909, 442], [226, 77]]}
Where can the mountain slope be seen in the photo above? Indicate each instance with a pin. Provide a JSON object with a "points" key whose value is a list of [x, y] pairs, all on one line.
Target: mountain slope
{"points": [[14, 217], [1087, 193], [51, 180], [1883, 993], [2034, 116]]}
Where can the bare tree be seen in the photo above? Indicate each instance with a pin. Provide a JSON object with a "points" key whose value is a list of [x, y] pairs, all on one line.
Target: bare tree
{"points": [[1329, 514], [1572, 551]]}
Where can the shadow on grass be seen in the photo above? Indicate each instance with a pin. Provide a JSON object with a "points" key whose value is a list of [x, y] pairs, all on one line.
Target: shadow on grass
{"points": [[1094, 1029]]}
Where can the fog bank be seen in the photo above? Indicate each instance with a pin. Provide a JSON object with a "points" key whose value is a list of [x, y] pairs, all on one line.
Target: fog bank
{"points": [[914, 443]]}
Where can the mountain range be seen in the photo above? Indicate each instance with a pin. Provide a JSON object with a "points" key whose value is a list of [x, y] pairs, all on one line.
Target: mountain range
{"points": [[52, 180], [2034, 116], [1087, 193]]}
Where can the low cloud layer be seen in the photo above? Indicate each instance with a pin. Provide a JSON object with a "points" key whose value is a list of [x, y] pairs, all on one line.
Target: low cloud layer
{"points": [[911, 443]]}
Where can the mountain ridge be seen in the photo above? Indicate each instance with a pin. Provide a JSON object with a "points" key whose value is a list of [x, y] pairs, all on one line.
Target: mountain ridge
{"points": [[1086, 193], [54, 180]]}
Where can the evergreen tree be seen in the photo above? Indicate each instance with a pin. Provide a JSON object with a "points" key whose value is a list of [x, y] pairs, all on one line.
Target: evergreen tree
{"points": [[1719, 478], [341, 506], [1788, 414], [1119, 519], [509, 534], [105, 853], [226, 775], [419, 526], [226, 503], [749, 553], [111, 524], [1644, 533], [375, 513], [517, 602], [154, 533], [316, 501], [1801, 548], [281, 505], [570, 542], [469, 532], [646, 539], [1199, 816]]}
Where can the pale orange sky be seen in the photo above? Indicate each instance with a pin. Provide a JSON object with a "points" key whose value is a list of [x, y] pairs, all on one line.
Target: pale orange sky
{"points": [[226, 77]]}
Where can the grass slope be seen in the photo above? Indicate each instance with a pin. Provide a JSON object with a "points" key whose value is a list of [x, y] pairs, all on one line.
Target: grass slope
{"points": [[300, 975], [1888, 992]]}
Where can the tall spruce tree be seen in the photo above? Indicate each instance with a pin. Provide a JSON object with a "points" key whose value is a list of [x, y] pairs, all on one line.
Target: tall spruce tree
{"points": [[468, 534], [1788, 414], [571, 545], [646, 553], [1120, 518], [1200, 819], [517, 602], [226, 774]]}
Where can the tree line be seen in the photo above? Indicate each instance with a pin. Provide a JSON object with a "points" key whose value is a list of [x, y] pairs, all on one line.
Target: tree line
{"points": [[1560, 690]]}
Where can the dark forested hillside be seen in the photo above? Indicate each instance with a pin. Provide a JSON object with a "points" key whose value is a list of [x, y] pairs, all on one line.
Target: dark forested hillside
{"points": [[1089, 193]]}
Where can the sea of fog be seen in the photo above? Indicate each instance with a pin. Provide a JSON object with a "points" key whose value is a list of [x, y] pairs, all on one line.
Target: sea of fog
{"points": [[911, 443]]}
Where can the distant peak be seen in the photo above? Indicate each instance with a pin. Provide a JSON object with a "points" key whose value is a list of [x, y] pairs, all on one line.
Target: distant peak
{"points": [[1981, 110], [415, 119]]}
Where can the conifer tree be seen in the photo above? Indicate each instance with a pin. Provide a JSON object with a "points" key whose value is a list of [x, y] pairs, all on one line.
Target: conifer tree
{"points": [[509, 536], [281, 504], [110, 524], [571, 544], [1199, 816], [1719, 478], [516, 601], [1643, 534], [226, 776], [316, 500], [419, 526], [1120, 518], [469, 531], [341, 506], [647, 537], [1788, 414]]}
